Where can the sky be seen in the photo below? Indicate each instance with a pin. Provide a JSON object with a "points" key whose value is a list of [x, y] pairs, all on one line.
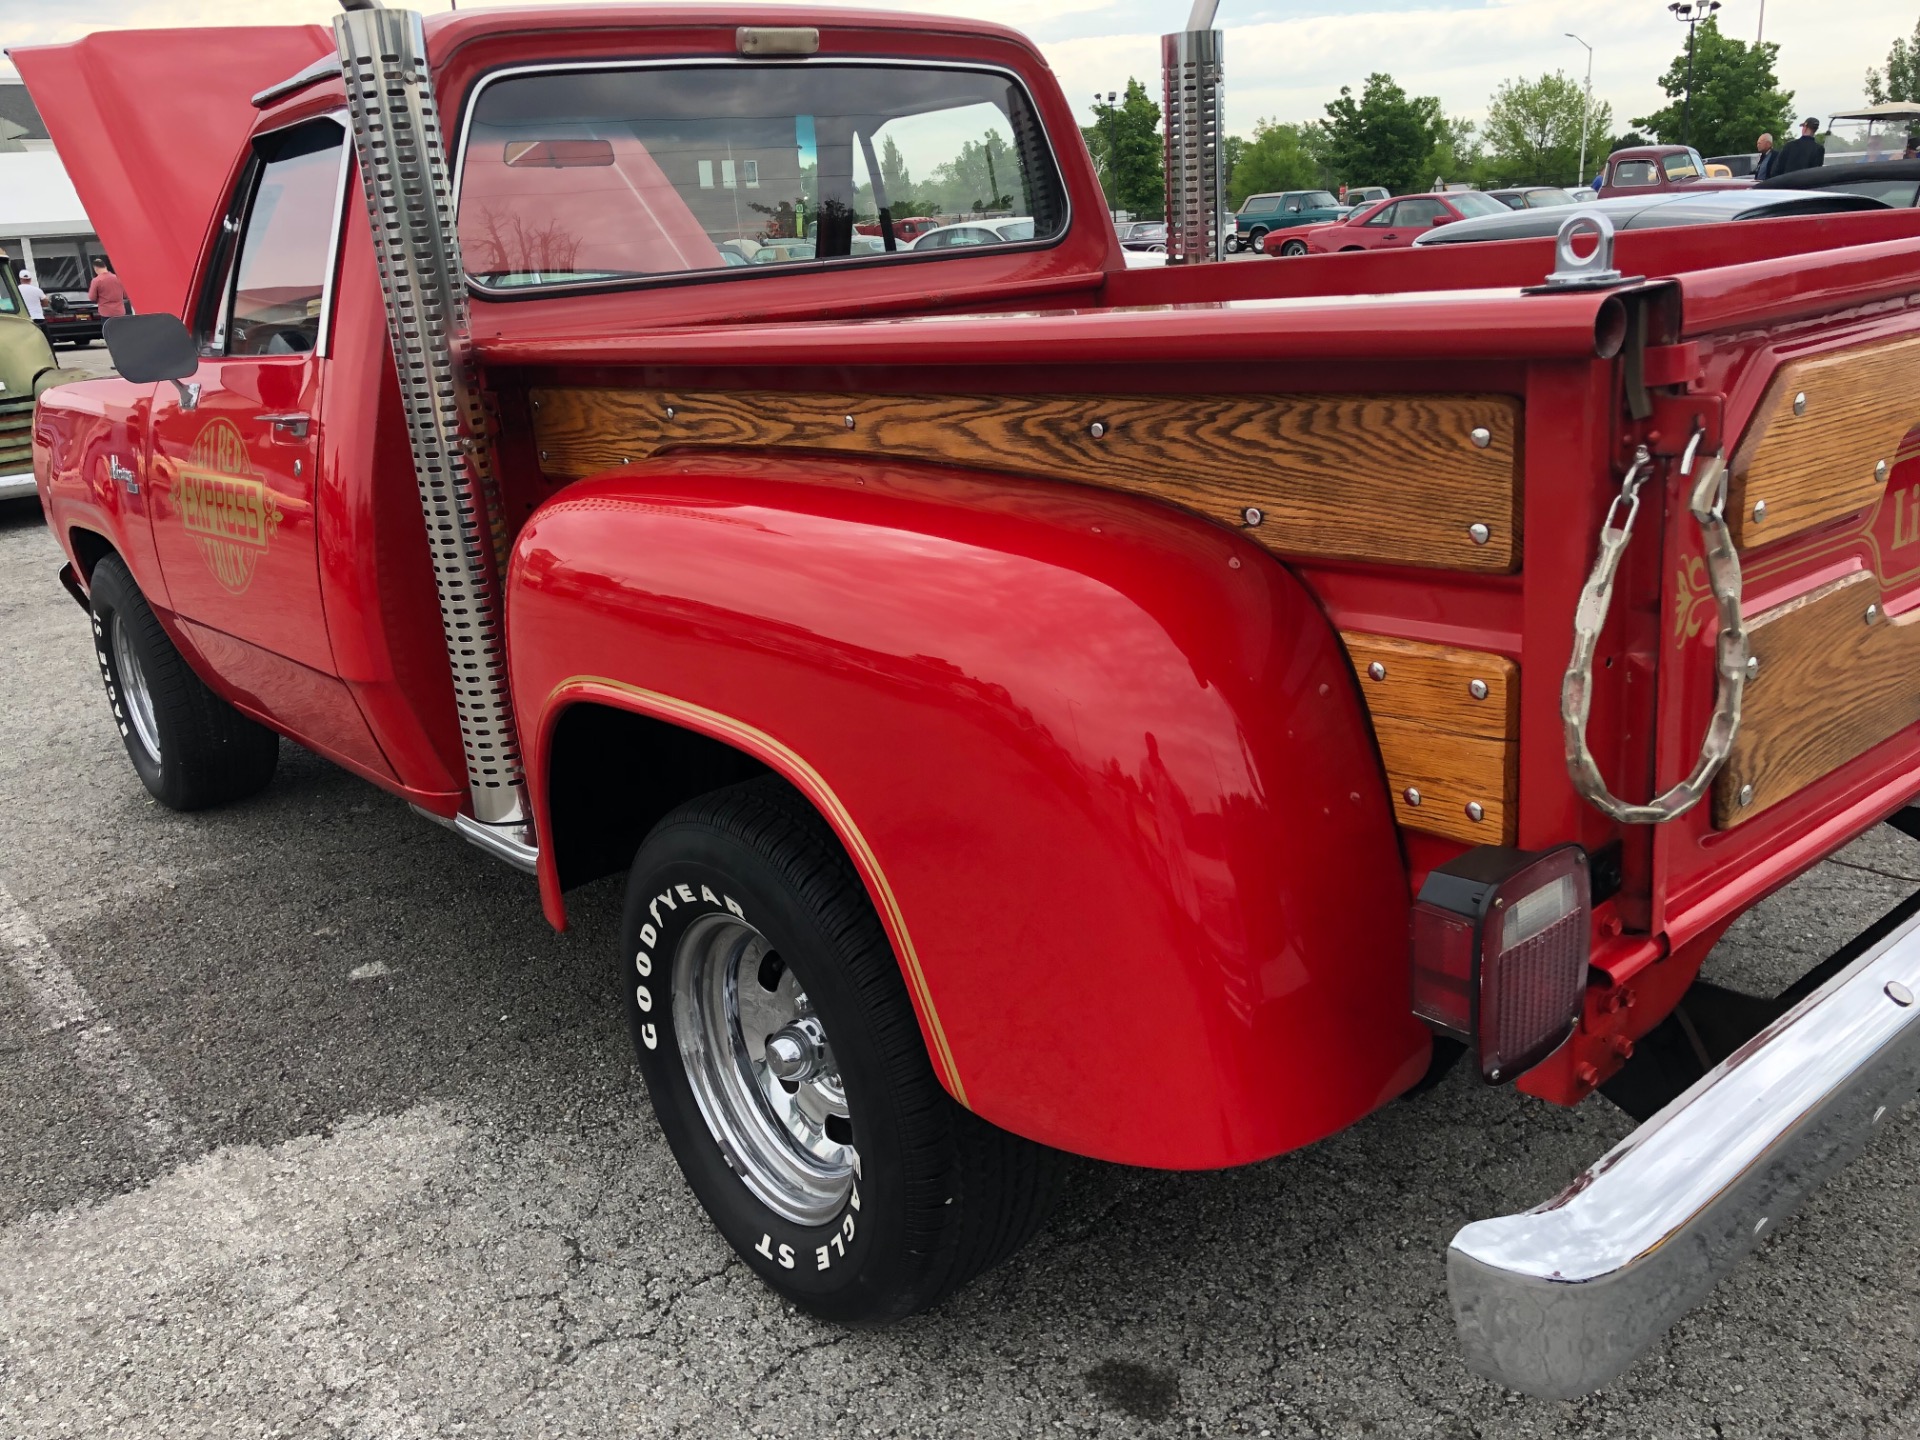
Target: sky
{"points": [[1285, 58]]}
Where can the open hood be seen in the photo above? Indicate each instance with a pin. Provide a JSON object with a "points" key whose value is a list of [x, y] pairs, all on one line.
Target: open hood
{"points": [[148, 123]]}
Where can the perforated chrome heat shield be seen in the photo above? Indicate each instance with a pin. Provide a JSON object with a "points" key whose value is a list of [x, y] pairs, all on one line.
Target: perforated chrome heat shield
{"points": [[1192, 76], [403, 167]]}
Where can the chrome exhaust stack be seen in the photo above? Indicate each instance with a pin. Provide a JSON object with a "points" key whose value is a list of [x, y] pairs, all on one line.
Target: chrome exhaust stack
{"points": [[1191, 82], [409, 190]]}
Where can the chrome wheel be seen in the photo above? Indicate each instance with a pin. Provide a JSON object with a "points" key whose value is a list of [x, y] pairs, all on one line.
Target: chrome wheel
{"points": [[762, 1070], [135, 696]]}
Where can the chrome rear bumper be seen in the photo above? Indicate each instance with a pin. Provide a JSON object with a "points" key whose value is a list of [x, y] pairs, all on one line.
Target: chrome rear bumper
{"points": [[1561, 1299]]}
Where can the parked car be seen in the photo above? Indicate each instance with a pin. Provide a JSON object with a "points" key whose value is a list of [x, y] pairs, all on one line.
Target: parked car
{"points": [[1358, 196], [1388, 224], [1658, 211], [977, 232], [1660, 167], [1891, 182], [1260, 215], [904, 231], [1532, 197], [72, 318], [27, 367], [1148, 235]]}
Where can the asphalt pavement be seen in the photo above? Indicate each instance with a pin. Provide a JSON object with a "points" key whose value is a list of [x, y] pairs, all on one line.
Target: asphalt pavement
{"points": [[309, 1126]]}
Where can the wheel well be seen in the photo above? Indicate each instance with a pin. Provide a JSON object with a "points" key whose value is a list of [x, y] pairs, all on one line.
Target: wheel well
{"points": [[613, 774], [89, 549]]}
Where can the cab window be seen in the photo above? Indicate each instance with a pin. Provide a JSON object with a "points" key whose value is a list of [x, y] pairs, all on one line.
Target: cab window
{"points": [[1683, 167], [1635, 172], [620, 176], [267, 286]]}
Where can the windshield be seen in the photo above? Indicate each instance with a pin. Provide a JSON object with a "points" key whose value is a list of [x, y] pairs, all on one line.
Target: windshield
{"points": [[645, 173], [1472, 204], [1688, 166]]}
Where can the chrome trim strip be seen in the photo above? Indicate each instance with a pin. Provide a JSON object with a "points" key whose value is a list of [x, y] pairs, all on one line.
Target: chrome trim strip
{"points": [[321, 69], [403, 173], [13, 487], [1561, 1299], [511, 843], [325, 347], [712, 62]]}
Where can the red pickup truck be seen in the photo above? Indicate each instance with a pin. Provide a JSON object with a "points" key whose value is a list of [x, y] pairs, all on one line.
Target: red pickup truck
{"points": [[1040, 706]]}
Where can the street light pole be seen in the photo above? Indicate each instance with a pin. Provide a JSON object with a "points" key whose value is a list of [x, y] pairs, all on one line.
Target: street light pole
{"points": [[1690, 15], [1104, 119], [1586, 109]]}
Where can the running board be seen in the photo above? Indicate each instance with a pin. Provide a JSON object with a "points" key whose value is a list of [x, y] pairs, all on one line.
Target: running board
{"points": [[512, 843]]}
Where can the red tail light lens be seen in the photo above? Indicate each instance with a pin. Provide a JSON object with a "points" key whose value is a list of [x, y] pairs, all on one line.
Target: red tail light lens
{"points": [[1500, 945]]}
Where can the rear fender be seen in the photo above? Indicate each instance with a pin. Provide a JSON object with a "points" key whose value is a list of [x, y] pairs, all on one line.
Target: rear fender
{"points": [[1103, 768]]}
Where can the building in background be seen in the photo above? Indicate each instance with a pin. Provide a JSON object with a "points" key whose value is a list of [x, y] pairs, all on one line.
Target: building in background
{"points": [[42, 225]]}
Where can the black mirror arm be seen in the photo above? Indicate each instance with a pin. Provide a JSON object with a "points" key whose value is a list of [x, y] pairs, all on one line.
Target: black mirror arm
{"points": [[189, 391]]}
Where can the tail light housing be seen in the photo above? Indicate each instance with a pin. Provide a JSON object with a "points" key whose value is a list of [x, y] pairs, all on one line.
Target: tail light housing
{"points": [[1500, 945]]}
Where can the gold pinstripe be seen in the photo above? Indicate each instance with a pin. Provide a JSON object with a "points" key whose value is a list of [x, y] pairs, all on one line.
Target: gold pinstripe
{"points": [[842, 819]]}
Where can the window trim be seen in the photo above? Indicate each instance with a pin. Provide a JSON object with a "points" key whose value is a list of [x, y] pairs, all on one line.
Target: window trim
{"points": [[470, 103], [225, 255]]}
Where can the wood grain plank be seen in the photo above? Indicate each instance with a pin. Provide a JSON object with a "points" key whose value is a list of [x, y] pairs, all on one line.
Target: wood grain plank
{"points": [[1397, 479], [1818, 466], [1449, 772], [1829, 688], [1431, 685]]}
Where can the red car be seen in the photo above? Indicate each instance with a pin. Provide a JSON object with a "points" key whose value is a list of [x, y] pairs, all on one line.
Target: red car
{"points": [[904, 231], [1389, 224]]}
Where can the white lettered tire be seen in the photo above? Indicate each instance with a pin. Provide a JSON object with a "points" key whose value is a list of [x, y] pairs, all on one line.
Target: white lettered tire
{"points": [[786, 1065]]}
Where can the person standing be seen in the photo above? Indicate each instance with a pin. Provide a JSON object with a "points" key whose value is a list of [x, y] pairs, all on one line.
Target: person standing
{"points": [[1768, 161], [36, 299], [106, 292], [1804, 153]]}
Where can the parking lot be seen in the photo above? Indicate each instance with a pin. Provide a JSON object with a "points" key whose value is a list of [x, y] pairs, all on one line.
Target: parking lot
{"points": [[313, 1128]]}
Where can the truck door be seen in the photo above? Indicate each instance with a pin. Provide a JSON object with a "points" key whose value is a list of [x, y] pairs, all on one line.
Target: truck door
{"points": [[234, 475]]}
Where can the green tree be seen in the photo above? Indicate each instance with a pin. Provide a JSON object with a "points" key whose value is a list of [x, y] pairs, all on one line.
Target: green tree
{"points": [[1534, 130], [1275, 159], [1736, 95], [1456, 154], [1124, 141], [1231, 149], [1901, 79], [1386, 137]]}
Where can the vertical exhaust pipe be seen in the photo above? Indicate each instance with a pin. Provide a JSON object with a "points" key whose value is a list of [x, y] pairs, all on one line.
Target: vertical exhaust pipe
{"points": [[1191, 75], [403, 168]]}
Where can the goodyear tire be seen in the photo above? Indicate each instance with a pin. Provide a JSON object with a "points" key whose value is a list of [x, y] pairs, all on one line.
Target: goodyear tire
{"points": [[786, 1066], [190, 748]]}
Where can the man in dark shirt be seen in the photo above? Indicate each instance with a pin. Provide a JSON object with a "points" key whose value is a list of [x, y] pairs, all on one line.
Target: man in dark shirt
{"points": [[1805, 153], [106, 292]]}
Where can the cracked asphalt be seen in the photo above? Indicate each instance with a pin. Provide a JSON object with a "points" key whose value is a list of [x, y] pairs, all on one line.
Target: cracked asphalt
{"points": [[309, 1126]]}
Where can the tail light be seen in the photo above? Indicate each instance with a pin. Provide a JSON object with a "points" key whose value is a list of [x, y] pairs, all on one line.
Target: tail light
{"points": [[1500, 943]]}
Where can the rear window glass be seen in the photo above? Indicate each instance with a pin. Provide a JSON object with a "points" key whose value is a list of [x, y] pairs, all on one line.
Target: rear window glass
{"points": [[600, 177]]}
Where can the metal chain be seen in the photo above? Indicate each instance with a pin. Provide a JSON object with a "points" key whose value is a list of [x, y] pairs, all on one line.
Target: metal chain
{"points": [[1708, 504]]}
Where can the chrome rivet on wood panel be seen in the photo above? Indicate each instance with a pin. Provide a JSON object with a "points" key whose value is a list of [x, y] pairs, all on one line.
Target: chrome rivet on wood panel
{"points": [[1880, 471], [1097, 429], [1474, 812], [849, 420], [1477, 689], [1376, 671], [1252, 515], [1746, 794], [1753, 666], [1759, 511], [669, 412], [1482, 436], [1800, 403], [1412, 795], [543, 454], [1480, 533], [1873, 613]]}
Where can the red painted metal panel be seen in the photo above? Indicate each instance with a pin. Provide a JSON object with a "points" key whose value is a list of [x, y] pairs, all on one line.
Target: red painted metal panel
{"points": [[148, 124], [1108, 762]]}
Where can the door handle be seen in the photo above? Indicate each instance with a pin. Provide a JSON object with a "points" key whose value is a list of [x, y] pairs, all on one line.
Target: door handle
{"points": [[293, 422]]}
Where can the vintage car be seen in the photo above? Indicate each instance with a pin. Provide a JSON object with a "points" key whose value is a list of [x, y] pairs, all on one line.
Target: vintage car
{"points": [[27, 367], [1642, 168], [1146, 236], [1891, 182], [1037, 705], [1387, 224], [1260, 215], [1532, 197], [1355, 196], [1658, 211]]}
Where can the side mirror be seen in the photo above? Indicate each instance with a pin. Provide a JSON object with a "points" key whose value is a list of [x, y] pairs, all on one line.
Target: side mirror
{"points": [[147, 348], [1443, 220]]}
